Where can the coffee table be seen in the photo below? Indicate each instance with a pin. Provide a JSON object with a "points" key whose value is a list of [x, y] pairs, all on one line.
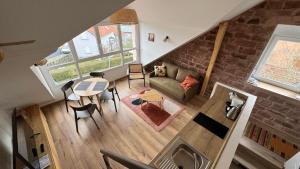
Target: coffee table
{"points": [[152, 96]]}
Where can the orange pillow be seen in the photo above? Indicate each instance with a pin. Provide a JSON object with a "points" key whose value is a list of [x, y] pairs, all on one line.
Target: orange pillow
{"points": [[188, 82]]}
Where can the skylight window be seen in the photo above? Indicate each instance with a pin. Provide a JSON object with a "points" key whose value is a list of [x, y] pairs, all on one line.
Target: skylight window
{"points": [[279, 64]]}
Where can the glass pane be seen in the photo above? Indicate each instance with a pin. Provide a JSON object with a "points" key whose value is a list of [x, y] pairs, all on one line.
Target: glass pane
{"points": [[115, 60], [65, 73], [94, 65], [86, 44], [61, 56], [128, 36], [109, 38], [130, 56], [283, 65]]}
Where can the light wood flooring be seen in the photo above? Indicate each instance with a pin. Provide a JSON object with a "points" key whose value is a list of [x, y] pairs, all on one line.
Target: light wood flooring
{"points": [[123, 132]]}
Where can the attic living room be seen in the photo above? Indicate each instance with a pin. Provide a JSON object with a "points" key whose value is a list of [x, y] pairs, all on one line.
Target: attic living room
{"points": [[150, 84]]}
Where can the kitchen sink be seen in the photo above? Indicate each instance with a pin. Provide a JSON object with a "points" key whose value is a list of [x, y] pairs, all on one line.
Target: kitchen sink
{"points": [[180, 155]]}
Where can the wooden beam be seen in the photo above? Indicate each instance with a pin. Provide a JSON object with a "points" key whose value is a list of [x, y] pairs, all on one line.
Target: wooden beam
{"points": [[17, 43], [218, 42]]}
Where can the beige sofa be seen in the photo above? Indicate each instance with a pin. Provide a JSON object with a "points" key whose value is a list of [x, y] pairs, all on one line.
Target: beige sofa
{"points": [[170, 84]]}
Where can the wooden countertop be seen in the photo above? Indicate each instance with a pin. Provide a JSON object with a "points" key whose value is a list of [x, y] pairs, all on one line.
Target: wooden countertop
{"points": [[219, 151], [37, 121]]}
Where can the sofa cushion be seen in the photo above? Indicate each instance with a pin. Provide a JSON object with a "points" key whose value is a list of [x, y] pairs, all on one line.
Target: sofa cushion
{"points": [[169, 86], [171, 70], [182, 73]]}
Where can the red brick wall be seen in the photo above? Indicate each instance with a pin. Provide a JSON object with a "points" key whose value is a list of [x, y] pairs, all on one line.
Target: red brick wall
{"points": [[246, 37]]}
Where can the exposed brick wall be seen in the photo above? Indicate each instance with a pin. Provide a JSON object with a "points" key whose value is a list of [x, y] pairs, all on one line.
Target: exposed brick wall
{"points": [[246, 37]]}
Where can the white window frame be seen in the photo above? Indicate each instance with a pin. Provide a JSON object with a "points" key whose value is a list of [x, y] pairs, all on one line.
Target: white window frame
{"points": [[265, 55], [77, 60]]}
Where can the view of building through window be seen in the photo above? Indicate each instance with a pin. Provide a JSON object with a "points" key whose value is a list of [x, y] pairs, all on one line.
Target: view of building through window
{"points": [[84, 53], [109, 38], [86, 44], [282, 65]]}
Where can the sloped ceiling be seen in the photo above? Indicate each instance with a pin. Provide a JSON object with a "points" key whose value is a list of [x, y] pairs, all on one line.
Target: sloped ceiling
{"points": [[181, 21], [53, 22], [50, 23]]}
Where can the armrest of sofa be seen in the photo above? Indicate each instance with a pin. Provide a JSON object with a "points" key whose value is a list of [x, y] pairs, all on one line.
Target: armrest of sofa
{"points": [[192, 91], [152, 74]]}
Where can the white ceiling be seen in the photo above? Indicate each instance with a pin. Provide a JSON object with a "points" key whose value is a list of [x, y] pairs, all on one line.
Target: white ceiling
{"points": [[49, 22]]}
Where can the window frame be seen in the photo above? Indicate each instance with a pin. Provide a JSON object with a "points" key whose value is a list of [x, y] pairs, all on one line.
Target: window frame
{"points": [[265, 55], [77, 60]]}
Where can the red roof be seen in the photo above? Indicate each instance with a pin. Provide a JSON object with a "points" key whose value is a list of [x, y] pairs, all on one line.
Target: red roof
{"points": [[105, 30]]}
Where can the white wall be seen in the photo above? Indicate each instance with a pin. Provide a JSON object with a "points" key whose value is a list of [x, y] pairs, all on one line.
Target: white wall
{"points": [[181, 20], [6, 140]]}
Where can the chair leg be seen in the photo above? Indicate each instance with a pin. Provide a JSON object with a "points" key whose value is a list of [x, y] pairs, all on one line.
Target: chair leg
{"points": [[66, 103], [115, 105], [94, 121], [117, 93], [114, 100], [129, 82], [144, 82], [91, 98], [76, 123], [99, 111], [79, 102]]}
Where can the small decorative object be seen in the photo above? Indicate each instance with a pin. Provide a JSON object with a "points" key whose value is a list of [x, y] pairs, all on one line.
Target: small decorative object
{"points": [[166, 39], [151, 37], [137, 101], [188, 82], [160, 71]]}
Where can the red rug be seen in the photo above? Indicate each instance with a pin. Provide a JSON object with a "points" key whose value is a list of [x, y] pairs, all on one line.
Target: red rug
{"points": [[152, 113], [155, 113]]}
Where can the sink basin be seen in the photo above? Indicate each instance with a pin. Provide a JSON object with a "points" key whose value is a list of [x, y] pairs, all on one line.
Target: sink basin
{"points": [[180, 155], [185, 157]]}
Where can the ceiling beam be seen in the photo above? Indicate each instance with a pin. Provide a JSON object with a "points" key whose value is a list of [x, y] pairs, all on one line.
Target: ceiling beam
{"points": [[218, 42]]}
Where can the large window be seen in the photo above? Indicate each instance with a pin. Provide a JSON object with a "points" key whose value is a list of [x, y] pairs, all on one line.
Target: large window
{"points": [[86, 44], [109, 38], [279, 64], [99, 48]]}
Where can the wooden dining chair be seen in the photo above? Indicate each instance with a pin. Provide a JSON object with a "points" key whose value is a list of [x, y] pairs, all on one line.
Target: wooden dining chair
{"points": [[85, 112], [72, 96], [97, 74], [135, 72], [109, 95]]}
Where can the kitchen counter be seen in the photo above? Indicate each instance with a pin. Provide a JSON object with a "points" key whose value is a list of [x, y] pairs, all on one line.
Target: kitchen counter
{"points": [[218, 151]]}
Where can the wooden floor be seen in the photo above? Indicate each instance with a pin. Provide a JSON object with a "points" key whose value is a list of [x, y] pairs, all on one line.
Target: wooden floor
{"points": [[123, 132]]}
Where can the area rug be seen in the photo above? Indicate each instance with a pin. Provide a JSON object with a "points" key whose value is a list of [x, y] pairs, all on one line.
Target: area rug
{"points": [[271, 141], [152, 113]]}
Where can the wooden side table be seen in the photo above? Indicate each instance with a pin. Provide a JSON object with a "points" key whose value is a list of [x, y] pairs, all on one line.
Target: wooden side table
{"points": [[152, 96]]}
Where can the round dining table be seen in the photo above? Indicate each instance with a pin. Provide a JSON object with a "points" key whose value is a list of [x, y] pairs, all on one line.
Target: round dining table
{"points": [[91, 87]]}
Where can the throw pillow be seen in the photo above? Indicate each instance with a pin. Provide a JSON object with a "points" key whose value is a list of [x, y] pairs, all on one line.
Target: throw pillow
{"points": [[188, 82], [160, 71]]}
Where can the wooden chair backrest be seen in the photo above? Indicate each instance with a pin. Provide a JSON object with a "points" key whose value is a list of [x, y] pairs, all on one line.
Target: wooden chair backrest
{"points": [[135, 68]]}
